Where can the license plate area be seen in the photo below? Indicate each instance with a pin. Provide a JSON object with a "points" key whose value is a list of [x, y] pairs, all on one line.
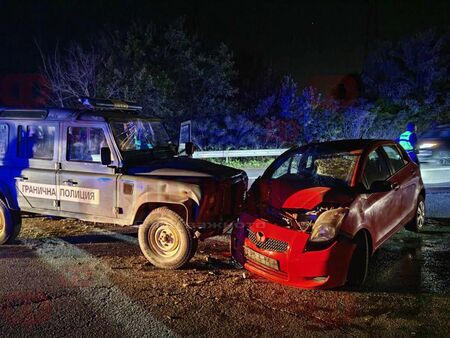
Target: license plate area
{"points": [[261, 259]]}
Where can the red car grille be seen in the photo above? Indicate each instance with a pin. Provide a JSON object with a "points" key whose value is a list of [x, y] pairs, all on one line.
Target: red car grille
{"points": [[269, 244]]}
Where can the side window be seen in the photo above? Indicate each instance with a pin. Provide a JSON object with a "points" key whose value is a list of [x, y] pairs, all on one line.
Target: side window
{"points": [[295, 163], [395, 157], [375, 169], [36, 142], [84, 144], [289, 166], [3, 139]]}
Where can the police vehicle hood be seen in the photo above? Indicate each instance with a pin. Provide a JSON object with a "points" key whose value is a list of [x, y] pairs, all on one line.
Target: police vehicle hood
{"points": [[185, 167]]}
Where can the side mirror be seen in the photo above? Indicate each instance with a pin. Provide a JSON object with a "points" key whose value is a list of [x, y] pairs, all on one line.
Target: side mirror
{"points": [[380, 186], [189, 148], [105, 155]]}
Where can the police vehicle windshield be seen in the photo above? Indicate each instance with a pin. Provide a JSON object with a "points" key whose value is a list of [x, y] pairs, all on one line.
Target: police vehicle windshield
{"points": [[140, 135]]}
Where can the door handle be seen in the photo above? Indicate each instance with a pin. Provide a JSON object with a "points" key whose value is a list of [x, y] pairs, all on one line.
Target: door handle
{"points": [[70, 182], [395, 186], [21, 178], [413, 172]]}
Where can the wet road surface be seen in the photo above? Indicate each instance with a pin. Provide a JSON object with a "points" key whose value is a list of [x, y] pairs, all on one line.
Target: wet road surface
{"points": [[69, 278]]}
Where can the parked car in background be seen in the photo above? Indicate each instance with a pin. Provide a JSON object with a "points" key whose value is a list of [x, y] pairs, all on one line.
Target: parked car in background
{"points": [[107, 163], [320, 211], [434, 145]]}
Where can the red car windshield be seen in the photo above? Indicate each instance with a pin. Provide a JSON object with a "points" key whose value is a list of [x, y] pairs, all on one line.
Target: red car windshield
{"points": [[318, 166]]}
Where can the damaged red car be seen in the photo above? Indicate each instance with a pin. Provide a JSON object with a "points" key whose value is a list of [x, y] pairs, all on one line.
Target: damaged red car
{"points": [[317, 214]]}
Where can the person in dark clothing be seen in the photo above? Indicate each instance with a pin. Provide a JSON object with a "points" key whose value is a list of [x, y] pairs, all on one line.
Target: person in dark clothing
{"points": [[408, 140]]}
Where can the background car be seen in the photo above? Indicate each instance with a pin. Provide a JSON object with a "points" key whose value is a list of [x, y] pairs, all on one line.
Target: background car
{"points": [[318, 212], [434, 145]]}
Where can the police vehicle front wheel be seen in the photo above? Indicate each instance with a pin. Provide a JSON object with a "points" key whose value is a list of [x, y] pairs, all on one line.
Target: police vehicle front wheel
{"points": [[165, 239], [9, 226]]}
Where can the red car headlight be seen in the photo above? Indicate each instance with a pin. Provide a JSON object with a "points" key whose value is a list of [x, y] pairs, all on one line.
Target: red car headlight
{"points": [[327, 225]]}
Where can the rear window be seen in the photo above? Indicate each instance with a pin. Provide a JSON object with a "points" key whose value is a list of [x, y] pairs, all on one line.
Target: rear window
{"points": [[3, 139], [36, 142]]}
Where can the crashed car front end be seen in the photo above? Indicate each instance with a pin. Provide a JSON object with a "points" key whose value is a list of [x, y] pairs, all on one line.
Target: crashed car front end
{"points": [[293, 229], [314, 255]]}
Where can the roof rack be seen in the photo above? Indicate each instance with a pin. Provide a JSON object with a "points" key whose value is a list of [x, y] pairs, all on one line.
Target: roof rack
{"points": [[94, 103]]}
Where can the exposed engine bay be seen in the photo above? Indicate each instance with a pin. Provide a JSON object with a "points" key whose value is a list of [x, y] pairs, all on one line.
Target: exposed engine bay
{"points": [[296, 219]]}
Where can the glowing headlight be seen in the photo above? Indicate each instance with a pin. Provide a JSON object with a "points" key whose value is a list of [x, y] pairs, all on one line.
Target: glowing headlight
{"points": [[427, 145], [327, 224]]}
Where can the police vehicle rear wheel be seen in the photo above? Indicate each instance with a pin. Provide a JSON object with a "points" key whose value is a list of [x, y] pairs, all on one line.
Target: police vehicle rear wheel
{"points": [[165, 239], [9, 227]]}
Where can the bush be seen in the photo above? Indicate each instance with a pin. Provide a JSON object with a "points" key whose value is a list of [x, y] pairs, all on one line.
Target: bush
{"points": [[408, 80]]}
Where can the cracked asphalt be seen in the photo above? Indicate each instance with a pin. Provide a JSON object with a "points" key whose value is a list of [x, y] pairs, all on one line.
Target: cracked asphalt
{"points": [[71, 278]]}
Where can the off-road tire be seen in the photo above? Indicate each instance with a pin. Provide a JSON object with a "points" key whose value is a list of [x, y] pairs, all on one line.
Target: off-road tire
{"points": [[418, 222], [165, 239], [359, 264], [9, 226]]}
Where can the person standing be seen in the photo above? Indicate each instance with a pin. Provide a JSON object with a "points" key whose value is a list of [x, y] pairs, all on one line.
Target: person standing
{"points": [[408, 140]]}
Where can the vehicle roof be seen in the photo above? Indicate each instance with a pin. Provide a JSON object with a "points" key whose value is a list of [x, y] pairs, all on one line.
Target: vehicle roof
{"points": [[443, 126], [69, 114], [348, 145], [438, 128]]}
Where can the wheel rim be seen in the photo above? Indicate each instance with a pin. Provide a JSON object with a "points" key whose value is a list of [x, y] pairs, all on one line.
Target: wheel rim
{"points": [[420, 215], [2, 225], [164, 239]]}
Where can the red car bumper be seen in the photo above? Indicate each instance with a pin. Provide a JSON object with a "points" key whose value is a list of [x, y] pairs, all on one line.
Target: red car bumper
{"points": [[282, 255]]}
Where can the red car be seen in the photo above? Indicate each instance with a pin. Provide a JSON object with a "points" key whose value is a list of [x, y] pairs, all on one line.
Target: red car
{"points": [[319, 211]]}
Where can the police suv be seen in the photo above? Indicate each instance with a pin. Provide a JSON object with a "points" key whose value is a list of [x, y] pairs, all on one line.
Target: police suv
{"points": [[107, 163]]}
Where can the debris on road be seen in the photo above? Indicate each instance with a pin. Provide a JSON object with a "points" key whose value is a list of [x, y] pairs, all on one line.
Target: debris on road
{"points": [[414, 292]]}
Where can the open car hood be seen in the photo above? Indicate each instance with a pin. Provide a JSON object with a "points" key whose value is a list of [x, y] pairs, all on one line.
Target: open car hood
{"points": [[304, 194]]}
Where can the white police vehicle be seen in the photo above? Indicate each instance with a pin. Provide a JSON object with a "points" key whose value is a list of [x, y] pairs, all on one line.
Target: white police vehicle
{"points": [[108, 163]]}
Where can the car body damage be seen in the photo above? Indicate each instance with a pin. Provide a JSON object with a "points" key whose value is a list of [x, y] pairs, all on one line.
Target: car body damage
{"points": [[211, 193], [107, 164], [304, 219]]}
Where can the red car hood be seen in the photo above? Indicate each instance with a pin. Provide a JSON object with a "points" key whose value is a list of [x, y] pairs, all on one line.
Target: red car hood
{"points": [[298, 195]]}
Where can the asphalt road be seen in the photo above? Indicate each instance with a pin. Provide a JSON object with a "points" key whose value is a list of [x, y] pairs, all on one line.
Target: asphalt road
{"points": [[66, 278]]}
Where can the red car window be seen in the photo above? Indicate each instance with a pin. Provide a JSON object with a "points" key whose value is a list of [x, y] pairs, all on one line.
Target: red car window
{"points": [[395, 158], [375, 169]]}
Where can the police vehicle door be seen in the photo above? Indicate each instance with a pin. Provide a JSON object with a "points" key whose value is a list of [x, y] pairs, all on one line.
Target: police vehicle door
{"points": [[85, 185], [36, 163]]}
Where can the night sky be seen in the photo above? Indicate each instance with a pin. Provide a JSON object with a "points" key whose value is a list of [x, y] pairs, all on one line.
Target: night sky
{"points": [[304, 39]]}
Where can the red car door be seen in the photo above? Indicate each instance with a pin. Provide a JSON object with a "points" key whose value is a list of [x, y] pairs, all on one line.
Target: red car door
{"points": [[381, 209], [404, 178]]}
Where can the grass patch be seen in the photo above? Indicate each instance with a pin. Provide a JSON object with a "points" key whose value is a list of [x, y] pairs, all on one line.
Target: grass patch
{"points": [[245, 162]]}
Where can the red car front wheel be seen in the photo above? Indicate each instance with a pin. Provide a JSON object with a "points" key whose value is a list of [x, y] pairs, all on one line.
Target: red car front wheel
{"points": [[359, 264]]}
